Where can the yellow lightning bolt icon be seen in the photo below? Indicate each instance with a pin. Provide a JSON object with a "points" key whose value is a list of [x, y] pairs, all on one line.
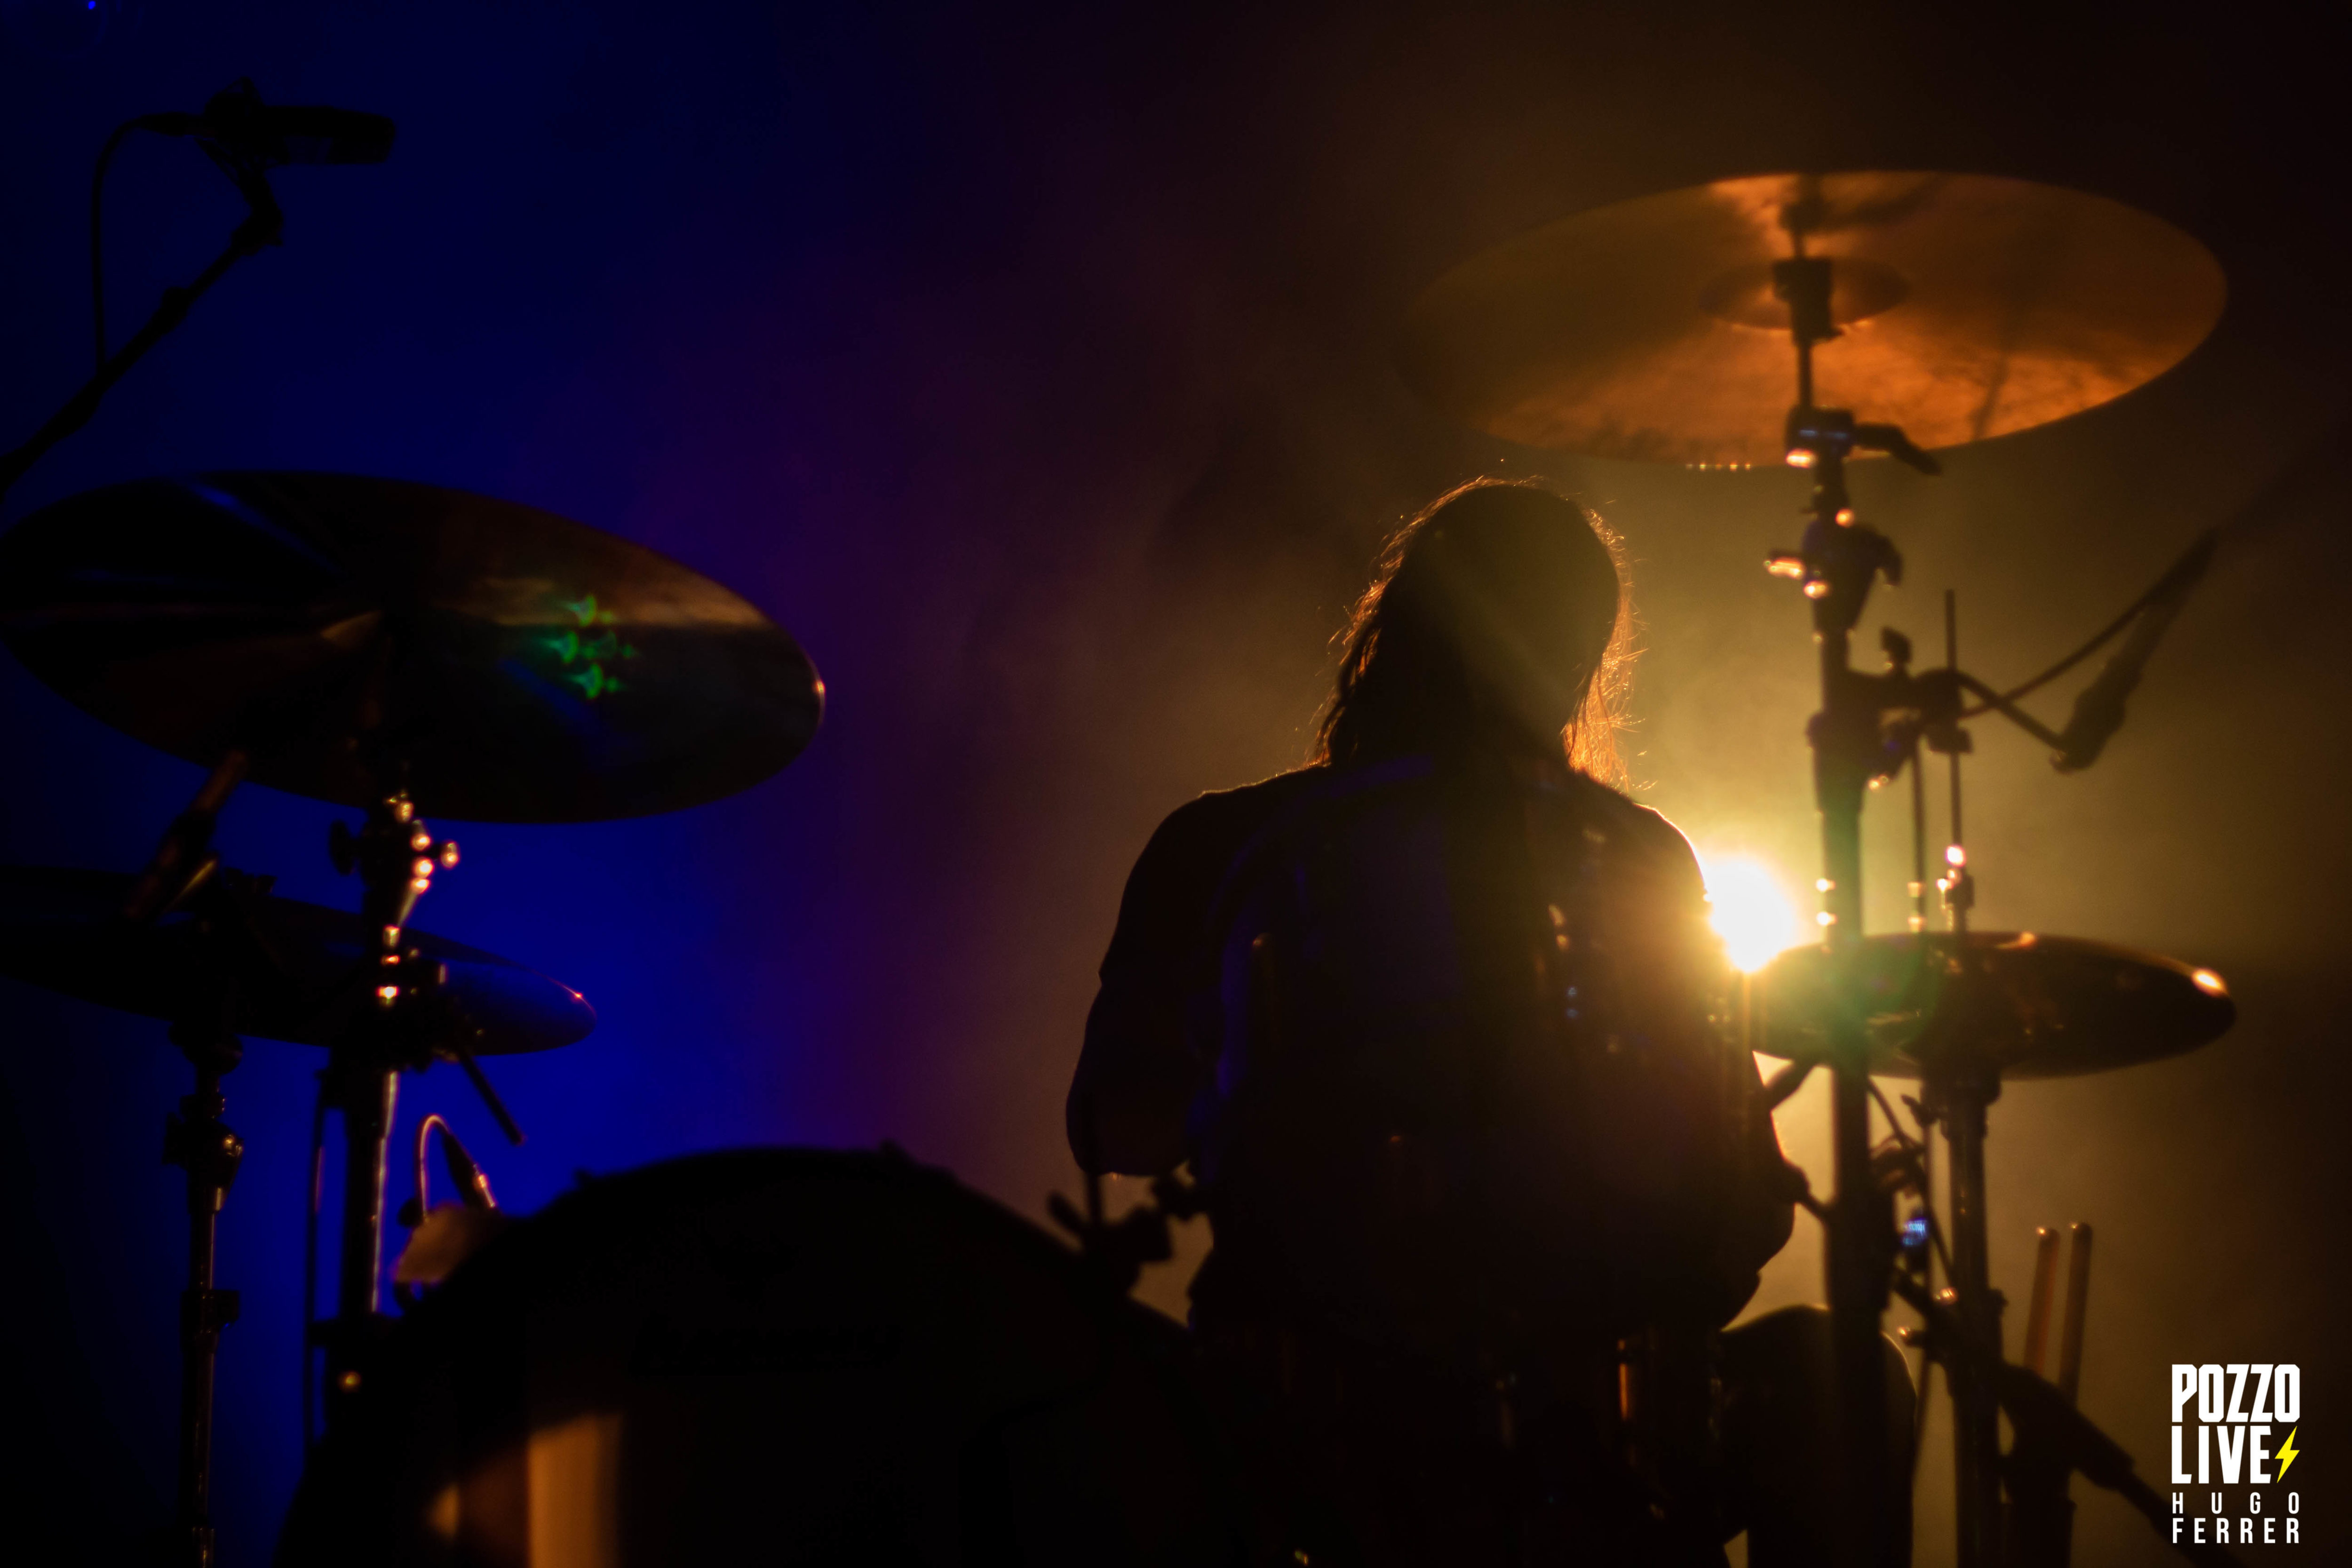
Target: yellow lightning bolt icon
{"points": [[2286, 1454]]}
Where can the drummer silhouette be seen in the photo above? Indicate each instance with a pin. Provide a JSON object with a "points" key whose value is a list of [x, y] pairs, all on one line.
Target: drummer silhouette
{"points": [[1437, 1021]]}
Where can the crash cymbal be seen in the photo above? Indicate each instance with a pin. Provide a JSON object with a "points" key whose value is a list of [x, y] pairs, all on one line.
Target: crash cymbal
{"points": [[296, 967], [2037, 1006], [510, 664], [1971, 307]]}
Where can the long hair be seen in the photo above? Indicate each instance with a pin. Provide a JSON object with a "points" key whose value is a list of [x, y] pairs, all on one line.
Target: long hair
{"points": [[1404, 683]]}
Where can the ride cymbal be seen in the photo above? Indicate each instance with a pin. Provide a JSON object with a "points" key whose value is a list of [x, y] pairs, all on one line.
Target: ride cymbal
{"points": [[2029, 1005], [294, 970], [1971, 307], [354, 635]]}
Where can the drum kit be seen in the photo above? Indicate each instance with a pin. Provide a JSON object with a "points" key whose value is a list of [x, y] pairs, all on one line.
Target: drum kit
{"points": [[847, 1357], [1924, 311]]}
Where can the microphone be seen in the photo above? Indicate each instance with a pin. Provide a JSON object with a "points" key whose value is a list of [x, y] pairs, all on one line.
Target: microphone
{"points": [[2099, 710], [472, 1183], [237, 128]]}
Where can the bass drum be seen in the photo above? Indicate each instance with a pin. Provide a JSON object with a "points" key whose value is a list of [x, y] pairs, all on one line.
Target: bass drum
{"points": [[778, 1357]]}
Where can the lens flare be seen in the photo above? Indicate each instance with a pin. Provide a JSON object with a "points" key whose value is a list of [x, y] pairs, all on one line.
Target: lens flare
{"points": [[1751, 910]]}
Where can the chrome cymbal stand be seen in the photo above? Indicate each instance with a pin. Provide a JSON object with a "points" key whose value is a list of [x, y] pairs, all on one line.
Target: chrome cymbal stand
{"points": [[395, 855], [1841, 561]]}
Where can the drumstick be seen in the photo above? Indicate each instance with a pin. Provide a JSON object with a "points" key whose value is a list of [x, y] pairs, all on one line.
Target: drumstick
{"points": [[2037, 1317], [2078, 1283]]}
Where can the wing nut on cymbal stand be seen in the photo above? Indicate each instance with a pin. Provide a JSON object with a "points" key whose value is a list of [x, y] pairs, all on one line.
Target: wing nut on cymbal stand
{"points": [[395, 855], [1841, 560]]}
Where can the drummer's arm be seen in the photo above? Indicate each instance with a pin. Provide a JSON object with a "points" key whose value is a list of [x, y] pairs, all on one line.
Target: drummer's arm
{"points": [[1138, 1073], [1136, 1079], [1759, 1208], [1760, 1212], [1769, 1200]]}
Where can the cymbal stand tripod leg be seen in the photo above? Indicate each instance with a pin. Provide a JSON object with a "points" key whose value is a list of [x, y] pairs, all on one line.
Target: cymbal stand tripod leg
{"points": [[1861, 1222], [1975, 1430], [201, 1144], [366, 1092]]}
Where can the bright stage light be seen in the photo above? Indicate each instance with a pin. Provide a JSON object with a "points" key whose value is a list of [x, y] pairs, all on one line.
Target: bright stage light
{"points": [[1751, 910]]}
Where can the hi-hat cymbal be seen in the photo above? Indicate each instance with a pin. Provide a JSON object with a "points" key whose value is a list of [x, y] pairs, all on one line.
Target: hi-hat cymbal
{"points": [[512, 664], [294, 970], [2032, 1006], [1971, 307]]}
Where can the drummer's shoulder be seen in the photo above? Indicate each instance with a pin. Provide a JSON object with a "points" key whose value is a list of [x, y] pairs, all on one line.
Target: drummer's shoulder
{"points": [[1217, 824], [1218, 812], [1646, 824]]}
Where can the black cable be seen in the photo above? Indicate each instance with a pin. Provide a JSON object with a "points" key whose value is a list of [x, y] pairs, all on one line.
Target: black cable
{"points": [[2113, 630], [413, 1212], [97, 248], [258, 231], [1997, 702], [423, 1182], [1924, 1150], [1918, 1146], [1894, 1125]]}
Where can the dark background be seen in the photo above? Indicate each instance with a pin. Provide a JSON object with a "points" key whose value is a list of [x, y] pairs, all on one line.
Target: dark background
{"points": [[1032, 365]]}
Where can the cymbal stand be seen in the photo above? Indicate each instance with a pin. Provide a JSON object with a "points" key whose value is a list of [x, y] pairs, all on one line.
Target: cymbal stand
{"points": [[2047, 1423], [395, 854], [1840, 562], [186, 872], [1963, 1086]]}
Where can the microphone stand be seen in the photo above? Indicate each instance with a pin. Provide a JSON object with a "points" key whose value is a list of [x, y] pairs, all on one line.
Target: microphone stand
{"points": [[226, 131], [262, 227], [1840, 562]]}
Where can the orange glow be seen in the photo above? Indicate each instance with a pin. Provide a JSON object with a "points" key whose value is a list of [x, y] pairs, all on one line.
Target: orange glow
{"points": [[1749, 909]]}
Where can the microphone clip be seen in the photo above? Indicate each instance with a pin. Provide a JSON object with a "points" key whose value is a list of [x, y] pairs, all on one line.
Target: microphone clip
{"points": [[231, 132]]}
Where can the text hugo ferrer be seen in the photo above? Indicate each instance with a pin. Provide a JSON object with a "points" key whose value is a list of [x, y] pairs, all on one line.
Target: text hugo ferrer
{"points": [[2238, 1405]]}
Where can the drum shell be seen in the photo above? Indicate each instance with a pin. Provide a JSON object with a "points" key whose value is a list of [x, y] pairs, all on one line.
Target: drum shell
{"points": [[786, 1356]]}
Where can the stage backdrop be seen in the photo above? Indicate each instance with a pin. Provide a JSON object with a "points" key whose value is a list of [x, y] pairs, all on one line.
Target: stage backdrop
{"points": [[1033, 364]]}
